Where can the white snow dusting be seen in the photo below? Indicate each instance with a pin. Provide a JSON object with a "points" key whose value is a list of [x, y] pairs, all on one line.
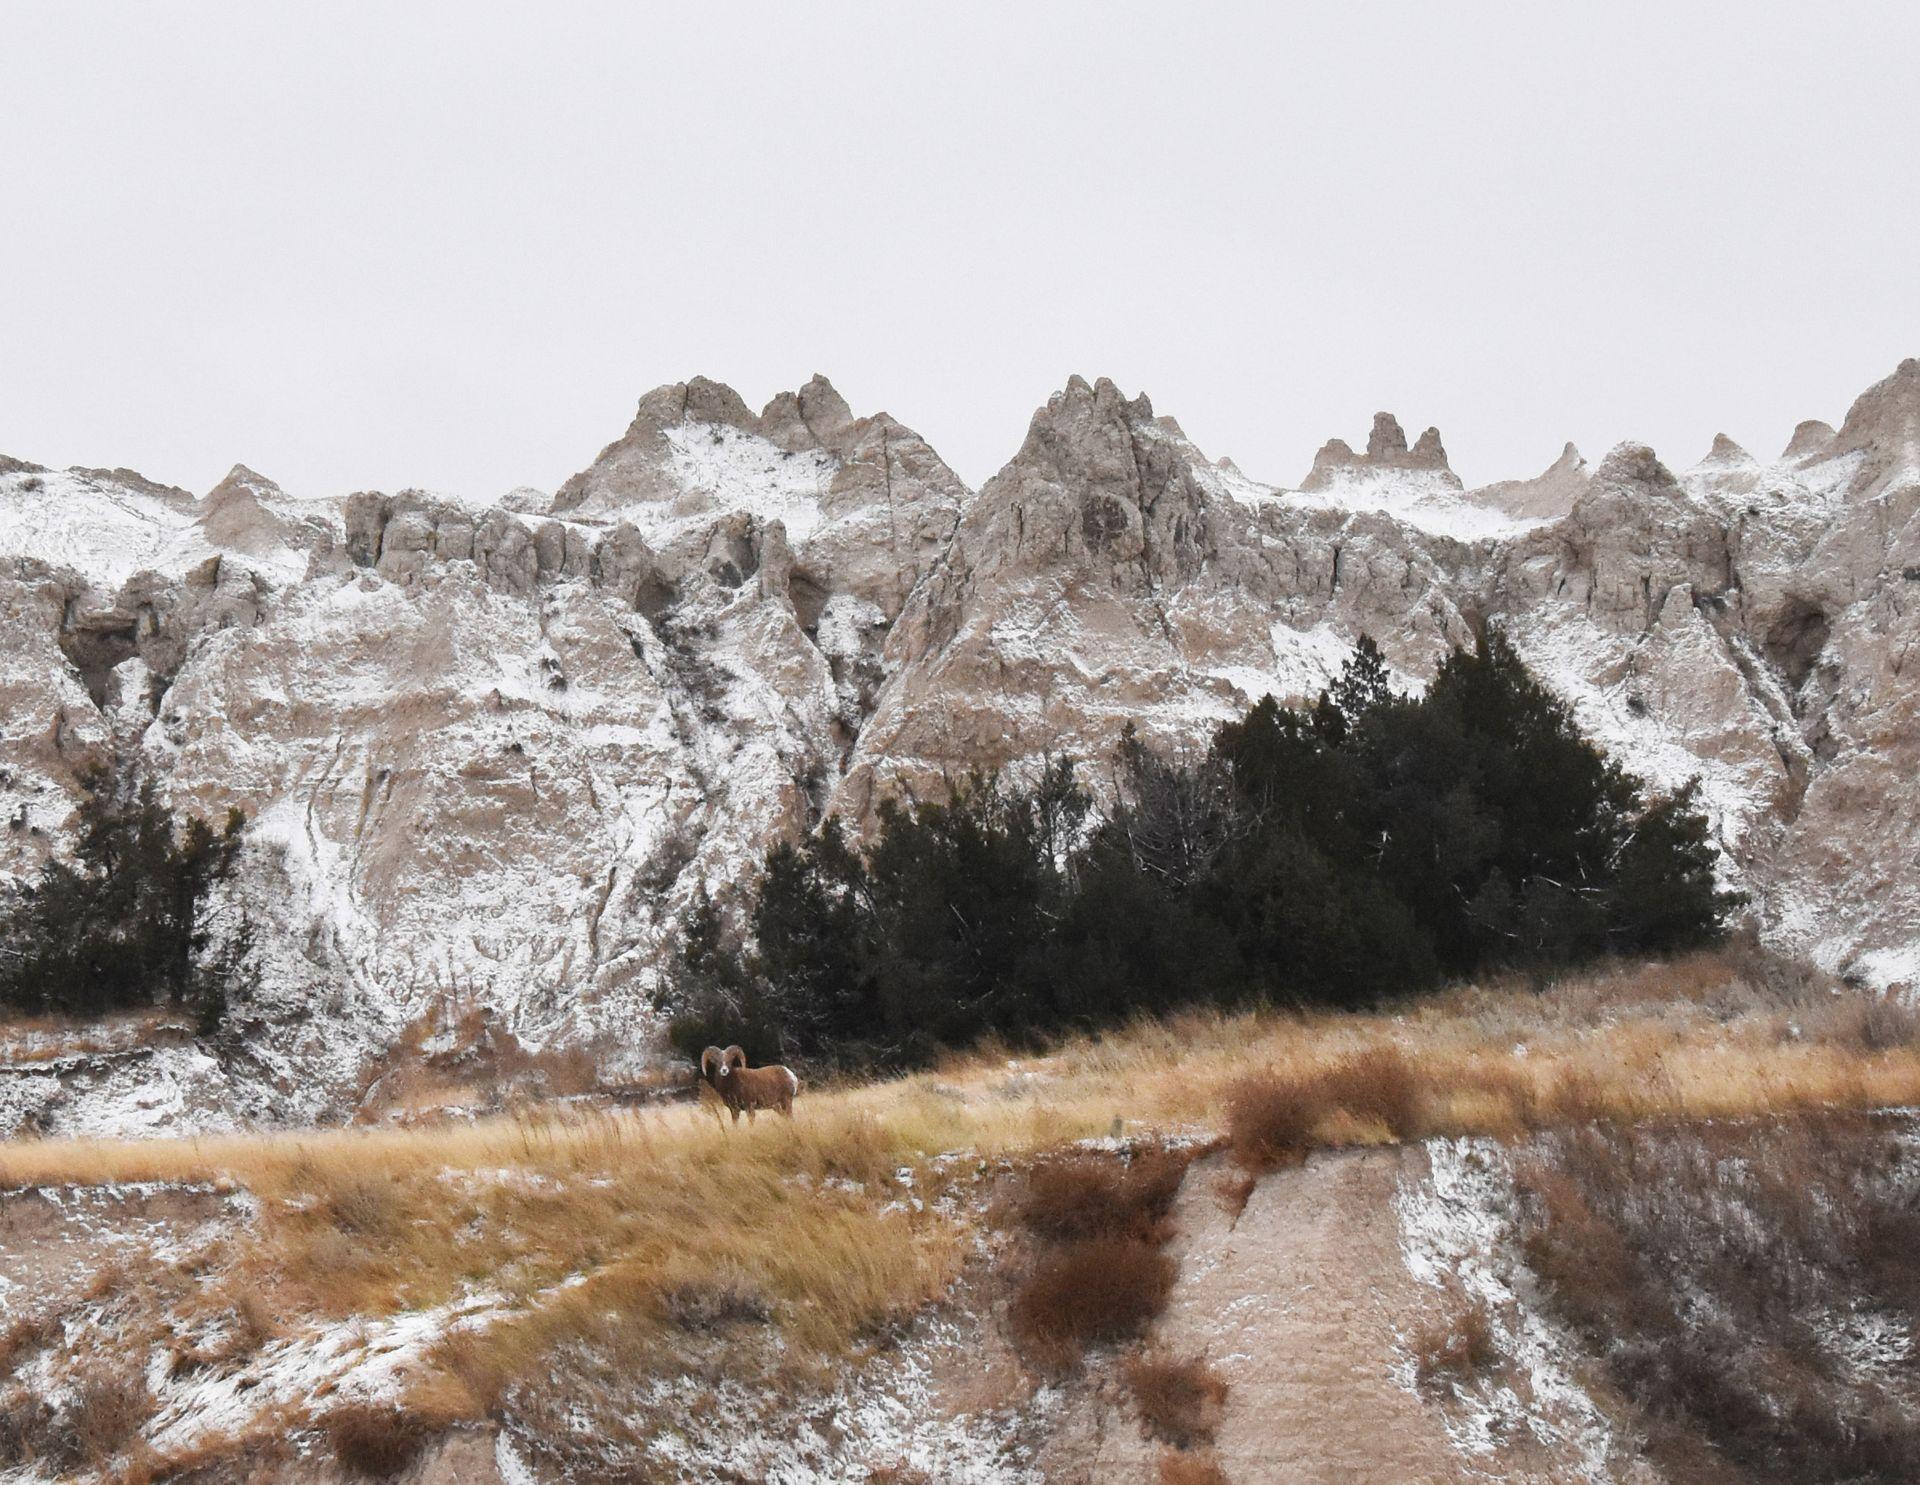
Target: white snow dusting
{"points": [[1455, 1224]]}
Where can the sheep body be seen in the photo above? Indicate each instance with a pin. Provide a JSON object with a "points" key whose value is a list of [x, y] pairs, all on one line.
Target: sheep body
{"points": [[746, 1089]]}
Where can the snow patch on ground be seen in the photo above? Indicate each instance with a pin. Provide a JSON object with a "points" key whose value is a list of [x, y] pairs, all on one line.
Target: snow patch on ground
{"points": [[134, 1093], [1455, 1224], [884, 1416], [354, 1360]]}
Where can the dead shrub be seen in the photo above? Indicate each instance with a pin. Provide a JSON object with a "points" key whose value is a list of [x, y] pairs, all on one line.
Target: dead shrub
{"points": [[1273, 1117], [1456, 1345], [707, 1307], [377, 1441], [1234, 1191], [1082, 1194], [1270, 1121], [1878, 1023], [1789, 983], [239, 1331], [1088, 1292], [1178, 1398], [22, 1420], [103, 1413], [1191, 1469], [364, 1207], [1706, 1264], [25, 1336], [1378, 1086], [85, 1428]]}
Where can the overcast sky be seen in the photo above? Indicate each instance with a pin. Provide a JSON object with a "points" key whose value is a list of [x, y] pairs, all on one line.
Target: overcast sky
{"points": [[450, 246]]}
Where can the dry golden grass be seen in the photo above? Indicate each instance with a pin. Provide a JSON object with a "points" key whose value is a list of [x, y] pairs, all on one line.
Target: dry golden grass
{"points": [[643, 1227]]}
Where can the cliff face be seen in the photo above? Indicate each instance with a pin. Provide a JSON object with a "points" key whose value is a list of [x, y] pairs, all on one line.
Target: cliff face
{"points": [[490, 753]]}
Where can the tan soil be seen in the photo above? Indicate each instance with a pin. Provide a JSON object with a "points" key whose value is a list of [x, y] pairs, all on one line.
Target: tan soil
{"points": [[1301, 1304]]}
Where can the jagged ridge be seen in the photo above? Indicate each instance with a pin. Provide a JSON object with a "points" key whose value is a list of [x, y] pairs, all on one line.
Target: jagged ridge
{"points": [[491, 752]]}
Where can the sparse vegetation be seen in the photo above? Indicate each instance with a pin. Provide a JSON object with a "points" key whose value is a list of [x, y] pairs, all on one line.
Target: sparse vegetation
{"points": [[610, 1249], [1086, 1293], [84, 1424], [377, 1441], [1274, 1118], [1748, 1284], [1081, 1194], [1456, 1344], [461, 1054], [1179, 1398], [1094, 1273], [1191, 1469]]}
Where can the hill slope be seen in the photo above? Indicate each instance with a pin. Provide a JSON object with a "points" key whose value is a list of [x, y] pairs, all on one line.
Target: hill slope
{"points": [[490, 753]]}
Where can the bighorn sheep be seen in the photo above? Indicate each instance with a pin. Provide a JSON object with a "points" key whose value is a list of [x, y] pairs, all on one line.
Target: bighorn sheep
{"points": [[749, 1088]]}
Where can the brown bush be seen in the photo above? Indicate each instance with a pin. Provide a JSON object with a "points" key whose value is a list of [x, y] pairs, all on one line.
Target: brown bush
{"points": [[1457, 1344], [1705, 1263], [1191, 1469], [1272, 1117], [1178, 1398], [1087, 1292], [1270, 1121], [377, 1441], [364, 1207], [701, 1307], [1234, 1191], [1082, 1194], [101, 1413], [1878, 1023], [25, 1336], [1378, 1085]]}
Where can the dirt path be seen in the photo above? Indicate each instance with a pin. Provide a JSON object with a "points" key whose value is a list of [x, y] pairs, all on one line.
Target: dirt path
{"points": [[1300, 1304]]}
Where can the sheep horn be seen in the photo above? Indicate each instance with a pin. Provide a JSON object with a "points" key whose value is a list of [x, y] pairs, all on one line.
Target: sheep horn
{"points": [[734, 1058], [708, 1058]]}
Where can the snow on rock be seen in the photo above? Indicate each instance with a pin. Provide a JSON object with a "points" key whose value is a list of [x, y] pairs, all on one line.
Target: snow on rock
{"points": [[120, 1093], [105, 528], [734, 470], [492, 752]]}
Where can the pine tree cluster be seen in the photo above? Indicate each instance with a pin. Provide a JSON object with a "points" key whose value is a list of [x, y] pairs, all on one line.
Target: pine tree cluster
{"points": [[124, 923], [1368, 845]]}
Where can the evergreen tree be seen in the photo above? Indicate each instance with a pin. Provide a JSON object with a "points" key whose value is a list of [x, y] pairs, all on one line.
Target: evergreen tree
{"points": [[1368, 845], [124, 923]]}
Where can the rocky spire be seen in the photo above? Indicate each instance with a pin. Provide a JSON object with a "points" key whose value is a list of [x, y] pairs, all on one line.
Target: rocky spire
{"points": [[1386, 444], [1548, 496], [1386, 450], [1886, 417], [1725, 451], [1812, 439]]}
